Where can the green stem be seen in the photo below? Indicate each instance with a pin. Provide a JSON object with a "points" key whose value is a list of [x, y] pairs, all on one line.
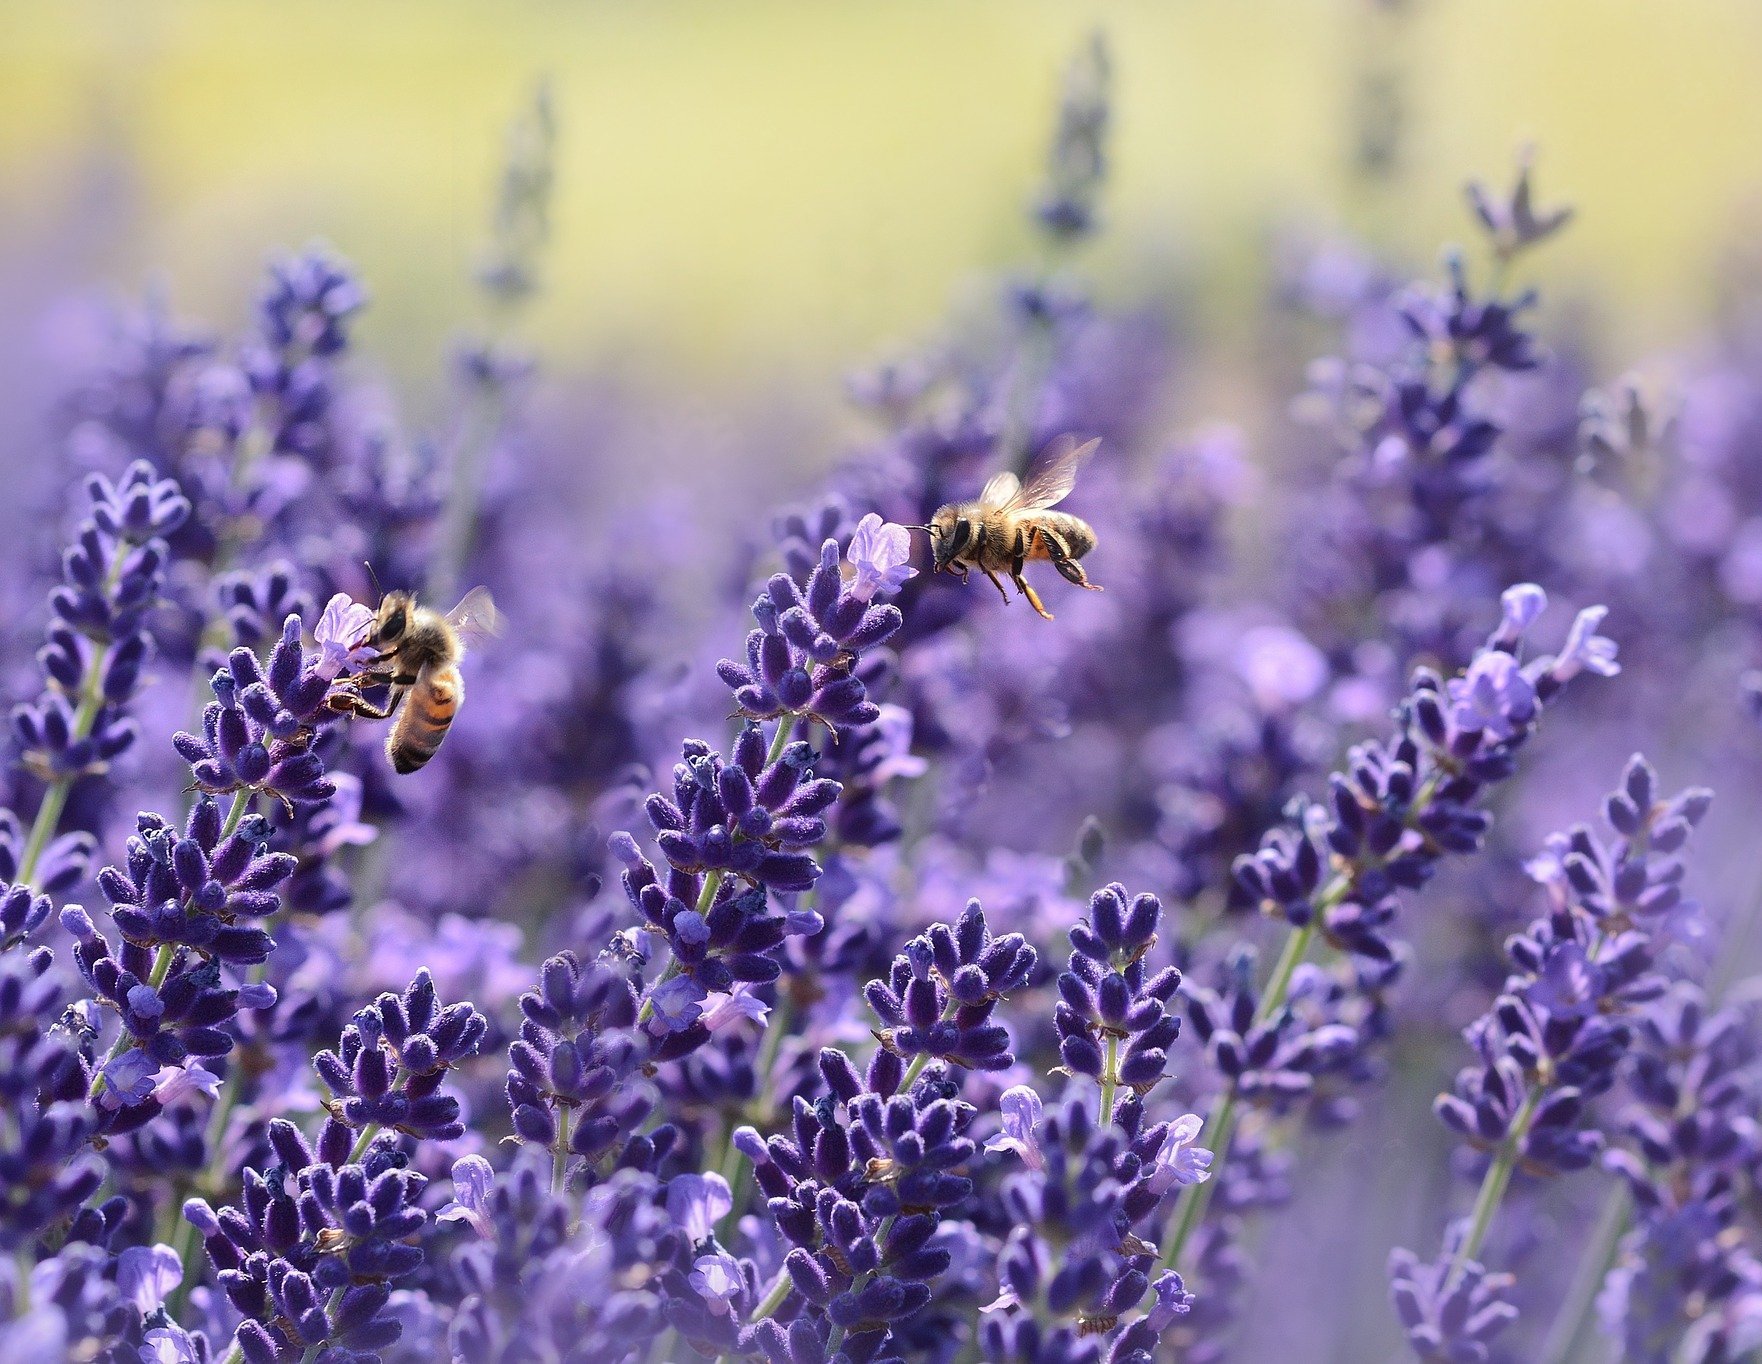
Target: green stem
{"points": [[1110, 1079], [1220, 1123], [1567, 1333], [459, 519], [732, 1164], [1492, 1192], [1215, 1136], [774, 1296], [560, 1156]]}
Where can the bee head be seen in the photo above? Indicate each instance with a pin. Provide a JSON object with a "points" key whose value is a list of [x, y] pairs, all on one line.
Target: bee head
{"points": [[392, 619], [949, 532]]}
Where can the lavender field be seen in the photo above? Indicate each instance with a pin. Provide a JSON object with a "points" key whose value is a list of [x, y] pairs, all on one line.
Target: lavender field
{"points": [[779, 914]]}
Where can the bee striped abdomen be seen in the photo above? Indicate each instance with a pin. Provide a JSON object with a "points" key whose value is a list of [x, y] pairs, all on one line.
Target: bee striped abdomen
{"points": [[1075, 533], [426, 717]]}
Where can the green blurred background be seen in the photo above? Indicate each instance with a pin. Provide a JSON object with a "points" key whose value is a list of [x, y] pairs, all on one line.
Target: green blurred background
{"points": [[768, 191]]}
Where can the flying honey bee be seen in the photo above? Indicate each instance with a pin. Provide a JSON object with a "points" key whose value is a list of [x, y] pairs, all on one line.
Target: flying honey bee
{"points": [[1010, 523], [419, 653]]}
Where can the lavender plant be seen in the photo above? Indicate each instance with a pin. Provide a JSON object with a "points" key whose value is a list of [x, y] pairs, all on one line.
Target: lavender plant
{"points": [[835, 1036]]}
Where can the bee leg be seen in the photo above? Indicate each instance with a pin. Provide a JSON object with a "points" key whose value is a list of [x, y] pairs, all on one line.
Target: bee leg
{"points": [[996, 582], [1069, 569], [353, 703], [1028, 592]]}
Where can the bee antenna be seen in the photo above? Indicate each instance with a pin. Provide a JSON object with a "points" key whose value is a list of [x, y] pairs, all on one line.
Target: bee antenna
{"points": [[373, 578], [925, 529]]}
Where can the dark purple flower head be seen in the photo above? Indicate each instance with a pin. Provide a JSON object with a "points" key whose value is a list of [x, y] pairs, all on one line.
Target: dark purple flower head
{"points": [[47, 1167], [1113, 1016], [257, 733], [393, 1058], [96, 642], [1512, 222], [940, 995], [307, 305], [191, 889], [1450, 1315], [801, 659]]}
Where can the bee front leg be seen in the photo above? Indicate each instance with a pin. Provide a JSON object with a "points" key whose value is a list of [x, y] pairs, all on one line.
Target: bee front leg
{"points": [[996, 582]]}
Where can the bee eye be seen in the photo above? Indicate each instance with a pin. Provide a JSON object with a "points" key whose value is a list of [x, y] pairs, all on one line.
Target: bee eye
{"points": [[963, 531], [393, 627]]}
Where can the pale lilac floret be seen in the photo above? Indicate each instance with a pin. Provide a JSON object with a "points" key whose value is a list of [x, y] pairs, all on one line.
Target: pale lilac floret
{"points": [[342, 635], [716, 1278], [1585, 650], [1179, 1161], [146, 1275], [697, 1202], [879, 552], [1492, 697], [473, 1182], [1022, 1111], [678, 1003], [173, 1083]]}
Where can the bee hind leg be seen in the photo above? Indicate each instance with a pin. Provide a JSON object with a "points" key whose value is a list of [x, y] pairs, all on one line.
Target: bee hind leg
{"points": [[1015, 572], [1032, 596], [1068, 568], [996, 582]]}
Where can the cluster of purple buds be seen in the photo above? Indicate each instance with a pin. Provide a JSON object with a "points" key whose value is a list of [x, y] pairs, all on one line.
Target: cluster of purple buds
{"points": [[800, 661], [1687, 1149], [1451, 1309], [941, 992], [856, 1187], [47, 1169], [1113, 1017], [96, 641], [310, 1255], [1274, 1061], [1555, 1038], [394, 1056], [255, 602], [258, 732], [600, 1277], [1073, 1269], [191, 889], [752, 817], [1077, 160], [1403, 803], [303, 322], [574, 1079]]}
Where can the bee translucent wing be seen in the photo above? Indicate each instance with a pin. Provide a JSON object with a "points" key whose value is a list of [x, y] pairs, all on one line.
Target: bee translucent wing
{"points": [[1057, 475], [476, 614], [1001, 491]]}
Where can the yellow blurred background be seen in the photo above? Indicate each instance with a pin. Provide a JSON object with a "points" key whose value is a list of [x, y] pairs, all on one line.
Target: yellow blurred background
{"points": [[780, 189]]}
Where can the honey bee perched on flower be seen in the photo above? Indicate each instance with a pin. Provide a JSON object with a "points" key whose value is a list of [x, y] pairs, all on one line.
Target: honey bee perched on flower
{"points": [[1011, 523], [417, 655]]}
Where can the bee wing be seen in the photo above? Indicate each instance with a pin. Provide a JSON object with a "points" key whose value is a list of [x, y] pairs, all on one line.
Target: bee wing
{"points": [[1001, 492], [476, 614], [1057, 475]]}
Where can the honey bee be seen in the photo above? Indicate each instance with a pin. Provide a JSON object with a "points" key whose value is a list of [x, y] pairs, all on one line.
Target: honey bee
{"points": [[1010, 523], [419, 653]]}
